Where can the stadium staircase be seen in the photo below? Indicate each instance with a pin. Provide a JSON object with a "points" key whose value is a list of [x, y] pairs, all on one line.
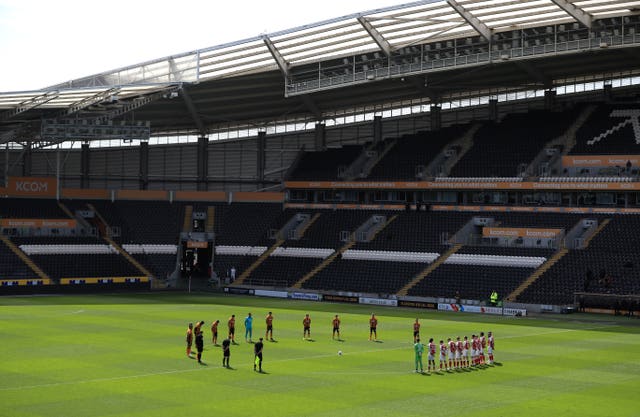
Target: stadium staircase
{"points": [[66, 210], [325, 262], [570, 135], [304, 229], [339, 252], [366, 170], [537, 274], [600, 227], [144, 271], [186, 224], [24, 258], [425, 272], [211, 211], [243, 276], [466, 143], [550, 262]]}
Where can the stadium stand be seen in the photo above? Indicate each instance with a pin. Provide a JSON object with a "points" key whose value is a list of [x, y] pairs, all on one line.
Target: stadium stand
{"points": [[12, 266], [609, 131], [326, 165], [493, 153], [611, 256], [411, 154]]}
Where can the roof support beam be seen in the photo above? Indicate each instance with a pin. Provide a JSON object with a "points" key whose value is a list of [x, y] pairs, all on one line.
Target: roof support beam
{"points": [[192, 111], [282, 63], [577, 13], [376, 36], [480, 27], [89, 101], [137, 103], [29, 104]]}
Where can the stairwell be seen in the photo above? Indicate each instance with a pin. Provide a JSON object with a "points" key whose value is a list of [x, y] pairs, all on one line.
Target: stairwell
{"points": [[306, 227], [570, 134], [425, 272], [368, 164], [186, 224], [243, 276], [326, 261], [537, 274], [550, 262], [23, 256], [465, 142], [66, 210], [601, 226], [211, 211], [389, 221], [329, 259], [144, 271]]}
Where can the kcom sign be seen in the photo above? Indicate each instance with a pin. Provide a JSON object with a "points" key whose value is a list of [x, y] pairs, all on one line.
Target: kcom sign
{"points": [[32, 186]]}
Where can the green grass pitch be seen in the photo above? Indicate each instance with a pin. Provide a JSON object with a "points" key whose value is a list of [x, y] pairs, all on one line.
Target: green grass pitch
{"points": [[124, 355]]}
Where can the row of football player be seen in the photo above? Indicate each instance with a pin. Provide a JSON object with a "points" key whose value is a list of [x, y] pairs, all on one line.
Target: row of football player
{"points": [[455, 354]]}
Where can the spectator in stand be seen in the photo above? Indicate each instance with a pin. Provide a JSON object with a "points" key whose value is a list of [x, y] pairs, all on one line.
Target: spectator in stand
{"points": [[232, 273]]}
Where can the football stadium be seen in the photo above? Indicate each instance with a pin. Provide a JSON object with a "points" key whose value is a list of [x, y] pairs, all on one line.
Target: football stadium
{"points": [[428, 208]]}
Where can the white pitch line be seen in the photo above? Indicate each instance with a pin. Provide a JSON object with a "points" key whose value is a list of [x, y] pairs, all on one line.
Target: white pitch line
{"points": [[178, 371]]}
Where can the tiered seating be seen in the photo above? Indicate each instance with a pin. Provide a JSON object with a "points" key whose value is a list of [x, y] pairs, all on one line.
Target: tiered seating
{"points": [[470, 281], [538, 220], [85, 265], [325, 231], [319, 240], [69, 257], [315, 166], [378, 277], [507, 251], [12, 265], [245, 223], [23, 208], [420, 231], [499, 148], [410, 232], [612, 254], [143, 223], [608, 131], [411, 151]]}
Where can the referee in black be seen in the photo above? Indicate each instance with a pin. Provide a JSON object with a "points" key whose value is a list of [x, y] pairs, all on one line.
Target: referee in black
{"points": [[257, 348], [199, 345]]}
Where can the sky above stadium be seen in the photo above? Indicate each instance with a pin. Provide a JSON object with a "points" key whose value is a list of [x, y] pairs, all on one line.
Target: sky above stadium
{"points": [[45, 42]]}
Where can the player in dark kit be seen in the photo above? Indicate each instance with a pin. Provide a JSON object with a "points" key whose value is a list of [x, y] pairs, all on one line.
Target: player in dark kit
{"points": [[257, 348], [226, 352], [199, 345]]}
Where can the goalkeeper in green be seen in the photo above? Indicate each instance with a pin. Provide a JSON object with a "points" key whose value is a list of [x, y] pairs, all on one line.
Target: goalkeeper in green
{"points": [[418, 349]]}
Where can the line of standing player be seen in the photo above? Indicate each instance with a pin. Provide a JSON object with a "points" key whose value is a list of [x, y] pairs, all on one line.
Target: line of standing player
{"points": [[454, 354]]}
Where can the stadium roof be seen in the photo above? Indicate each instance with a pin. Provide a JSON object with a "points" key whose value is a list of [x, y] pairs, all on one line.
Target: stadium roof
{"points": [[253, 81]]}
